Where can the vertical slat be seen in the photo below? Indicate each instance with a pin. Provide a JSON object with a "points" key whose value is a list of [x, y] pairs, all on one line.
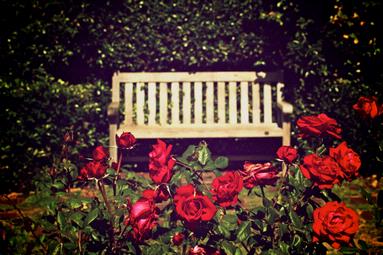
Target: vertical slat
{"points": [[163, 103], [152, 103], [244, 102], [140, 103], [256, 103], [232, 102], [128, 91], [209, 102], [175, 103], [280, 87], [267, 103], [186, 102], [115, 88], [221, 102], [198, 102]]}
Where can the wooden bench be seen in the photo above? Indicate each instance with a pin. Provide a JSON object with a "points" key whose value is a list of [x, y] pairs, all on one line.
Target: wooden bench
{"points": [[199, 105]]}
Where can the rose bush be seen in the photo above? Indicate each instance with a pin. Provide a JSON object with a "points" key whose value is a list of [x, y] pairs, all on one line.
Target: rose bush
{"points": [[174, 211]]}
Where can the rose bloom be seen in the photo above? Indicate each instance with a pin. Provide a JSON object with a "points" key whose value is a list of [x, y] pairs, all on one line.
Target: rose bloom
{"points": [[100, 153], [203, 250], [193, 207], [367, 107], [142, 218], [335, 223], [93, 169], [323, 171], [259, 174], [178, 238], [125, 140], [225, 189], [287, 154], [160, 163], [348, 159], [320, 125]]}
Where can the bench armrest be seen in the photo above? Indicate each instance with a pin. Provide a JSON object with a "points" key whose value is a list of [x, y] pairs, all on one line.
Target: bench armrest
{"points": [[113, 109], [285, 107]]}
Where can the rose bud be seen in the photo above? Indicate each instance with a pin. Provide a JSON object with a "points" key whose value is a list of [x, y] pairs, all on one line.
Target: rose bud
{"points": [[287, 154], [259, 174], [160, 162], [100, 153], [178, 238], [126, 140]]}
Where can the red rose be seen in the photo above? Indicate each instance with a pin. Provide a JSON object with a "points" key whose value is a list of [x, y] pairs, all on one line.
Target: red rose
{"points": [[225, 189], [335, 223], [367, 107], [100, 153], [287, 153], [125, 140], [195, 208], [142, 218], [259, 174], [323, 171], [348, 159], [160, 163], [178, 238], [319, 125], [183, 192], [93, 169]]}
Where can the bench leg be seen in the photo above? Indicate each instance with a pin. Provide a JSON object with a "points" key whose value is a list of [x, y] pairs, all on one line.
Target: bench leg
{"points": [[286, 126], [112, 142]]}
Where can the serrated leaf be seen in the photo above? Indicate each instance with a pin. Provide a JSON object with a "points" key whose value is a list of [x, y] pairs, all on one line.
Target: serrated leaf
{"points": [[221, 162], [203, 154], [244, 231], [92, 215]]}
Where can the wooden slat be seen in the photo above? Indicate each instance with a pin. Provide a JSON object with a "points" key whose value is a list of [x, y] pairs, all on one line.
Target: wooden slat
{"points": [[116, 79], [175, 103], [256, 103], [128, 91], [163, 103], [186, 77], [209, 102], [232, 102], [140, 103], [267, 103], [152, 103], [221, 102], [280, 92], [244, 102], [198, 102], [186, 104]]}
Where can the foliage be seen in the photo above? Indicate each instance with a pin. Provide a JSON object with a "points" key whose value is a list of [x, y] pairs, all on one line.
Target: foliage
{"points": [[36, 116], [115, 211]]}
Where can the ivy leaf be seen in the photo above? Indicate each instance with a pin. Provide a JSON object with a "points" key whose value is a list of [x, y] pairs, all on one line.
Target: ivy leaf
{"points": [[244, 231], [221, 162], [91, 216]]}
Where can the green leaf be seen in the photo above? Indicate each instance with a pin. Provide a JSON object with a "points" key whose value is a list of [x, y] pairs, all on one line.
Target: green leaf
{"points": [[61, 220], [244, 231], [228, 247], [203, 154], [75, 203], [91, 216], [297, 240], [223, 231], [189, 151], [284, 247], [238, 251], [58, 185], [77, 218], [295, 219], [221, 162]]}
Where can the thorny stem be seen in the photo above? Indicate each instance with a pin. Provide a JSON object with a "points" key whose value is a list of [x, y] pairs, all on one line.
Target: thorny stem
{"points": [[25, 220], [117, 173], [188, 167], [107, 204]]}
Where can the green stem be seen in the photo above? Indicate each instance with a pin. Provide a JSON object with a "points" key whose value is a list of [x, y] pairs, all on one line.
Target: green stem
{"points": [[108, 207], [119, 161], [244, 246]]}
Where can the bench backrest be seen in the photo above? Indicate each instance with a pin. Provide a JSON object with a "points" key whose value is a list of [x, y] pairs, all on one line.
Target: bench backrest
{"points": [[215, 98]]}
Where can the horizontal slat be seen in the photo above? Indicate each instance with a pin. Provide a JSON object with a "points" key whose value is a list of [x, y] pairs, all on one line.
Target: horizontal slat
{"points": [[184, 76]]}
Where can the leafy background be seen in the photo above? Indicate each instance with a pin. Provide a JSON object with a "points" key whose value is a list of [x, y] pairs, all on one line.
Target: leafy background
{"points": [[57, 58]]}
